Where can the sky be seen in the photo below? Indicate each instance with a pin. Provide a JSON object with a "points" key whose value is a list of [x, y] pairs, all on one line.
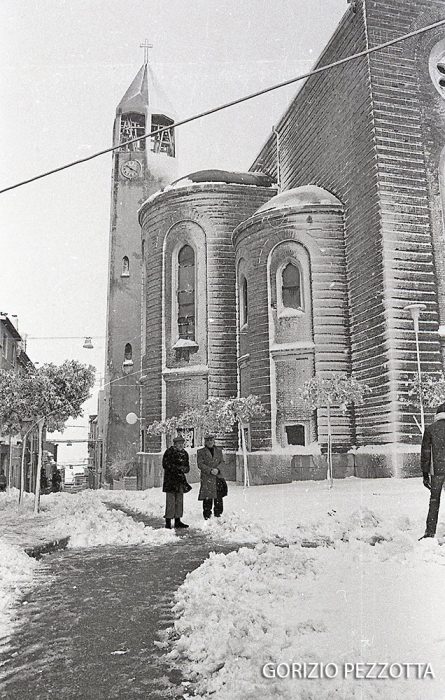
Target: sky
{"points": [[65, 67]]}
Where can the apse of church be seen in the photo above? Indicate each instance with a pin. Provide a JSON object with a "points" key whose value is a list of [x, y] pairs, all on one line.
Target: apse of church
{"points": [[291, 260], [371, 133], [189, 314]]}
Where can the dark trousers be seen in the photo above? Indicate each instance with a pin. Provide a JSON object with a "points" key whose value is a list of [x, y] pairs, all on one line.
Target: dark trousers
{"points": [[218, 507], [433, 512], [174, 505]]}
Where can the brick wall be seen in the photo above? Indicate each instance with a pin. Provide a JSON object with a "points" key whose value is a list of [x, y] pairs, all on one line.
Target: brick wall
{"points": [[320, 230], [360, 131], [401, 88]]}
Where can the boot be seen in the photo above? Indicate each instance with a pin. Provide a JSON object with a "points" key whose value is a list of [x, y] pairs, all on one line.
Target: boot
{"points": [[178, 523], [168, 523]]}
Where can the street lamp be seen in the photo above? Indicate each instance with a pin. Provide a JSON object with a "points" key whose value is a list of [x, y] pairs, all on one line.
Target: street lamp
{"points": [[415, 310], [132, 418]]}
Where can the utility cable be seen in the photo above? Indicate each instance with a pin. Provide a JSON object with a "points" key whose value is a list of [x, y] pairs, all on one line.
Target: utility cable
{"points": [[315, 71]]}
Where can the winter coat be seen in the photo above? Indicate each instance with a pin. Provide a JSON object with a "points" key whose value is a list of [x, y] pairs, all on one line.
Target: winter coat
{"points": [[433, 444], [205, 464], [56, 480], [176, 464]]}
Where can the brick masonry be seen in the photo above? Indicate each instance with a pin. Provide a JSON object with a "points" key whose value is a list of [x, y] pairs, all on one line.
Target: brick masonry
{"points": [[203, 215], [371, 132]]}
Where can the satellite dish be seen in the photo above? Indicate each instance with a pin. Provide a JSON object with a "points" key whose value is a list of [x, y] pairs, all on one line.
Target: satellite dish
{"points": [[131, 418]]}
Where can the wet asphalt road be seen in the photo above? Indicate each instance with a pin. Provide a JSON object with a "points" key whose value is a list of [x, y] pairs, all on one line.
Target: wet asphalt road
{"points": [[87, 631]]}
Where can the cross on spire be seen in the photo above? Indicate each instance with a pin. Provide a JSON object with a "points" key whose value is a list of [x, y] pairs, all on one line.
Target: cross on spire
{"points": [[146, 46]]}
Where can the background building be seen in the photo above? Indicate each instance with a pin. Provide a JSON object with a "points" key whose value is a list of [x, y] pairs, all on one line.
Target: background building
{"points": [[13, 357]]}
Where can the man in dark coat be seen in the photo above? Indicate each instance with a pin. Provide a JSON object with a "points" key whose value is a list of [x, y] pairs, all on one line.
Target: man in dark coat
{"points": [[56, 480], [210, 458], [175, 463], [432, 462]]}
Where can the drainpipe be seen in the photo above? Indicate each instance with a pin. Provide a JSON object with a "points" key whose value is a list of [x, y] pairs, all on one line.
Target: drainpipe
{"points": [[278, 159]]}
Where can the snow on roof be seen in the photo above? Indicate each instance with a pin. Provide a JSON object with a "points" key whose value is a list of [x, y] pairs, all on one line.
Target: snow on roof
{"points": [[231, 177], [212, 177], [301, 197]]}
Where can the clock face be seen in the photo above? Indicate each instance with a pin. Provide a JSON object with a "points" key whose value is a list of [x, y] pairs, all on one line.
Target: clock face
{"points": [[131, 169]]}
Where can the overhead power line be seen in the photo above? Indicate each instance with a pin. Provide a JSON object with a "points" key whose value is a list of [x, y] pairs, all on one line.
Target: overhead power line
{"points": [[226, 105]]}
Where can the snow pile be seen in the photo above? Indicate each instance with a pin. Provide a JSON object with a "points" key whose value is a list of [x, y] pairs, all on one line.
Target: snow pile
{"points": [[336, 577], [83, 517], [90, 523], [345, 604], [150, 502], [16, 577]]}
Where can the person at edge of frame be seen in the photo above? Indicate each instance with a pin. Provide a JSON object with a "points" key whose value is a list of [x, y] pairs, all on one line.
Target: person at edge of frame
{"points": [[210, 458], [175, 463], [432, 463]]}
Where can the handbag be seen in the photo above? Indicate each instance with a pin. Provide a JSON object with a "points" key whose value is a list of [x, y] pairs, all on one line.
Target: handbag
{"points": [[221, 487], [185, 484]]}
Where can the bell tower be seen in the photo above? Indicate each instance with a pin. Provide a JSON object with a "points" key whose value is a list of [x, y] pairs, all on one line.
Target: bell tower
{"points": [[141, 166]]}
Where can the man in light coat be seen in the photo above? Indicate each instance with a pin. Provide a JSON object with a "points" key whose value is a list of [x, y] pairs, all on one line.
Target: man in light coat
{"points": [[210, 458], [432, 462]]}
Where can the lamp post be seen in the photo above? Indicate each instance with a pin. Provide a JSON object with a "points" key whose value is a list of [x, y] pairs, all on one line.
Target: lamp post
{"points": [[415, 310]]}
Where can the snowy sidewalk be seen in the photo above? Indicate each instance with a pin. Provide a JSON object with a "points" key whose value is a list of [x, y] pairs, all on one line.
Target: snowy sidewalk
{"points": [[30, 532], [82, 517], [370, 592]]}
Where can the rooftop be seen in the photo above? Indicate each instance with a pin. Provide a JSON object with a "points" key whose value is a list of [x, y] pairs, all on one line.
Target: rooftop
{"points": [[300, 197]]}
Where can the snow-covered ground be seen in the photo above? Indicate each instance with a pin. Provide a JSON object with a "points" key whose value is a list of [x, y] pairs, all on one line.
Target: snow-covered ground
{"points": [[369, 593], [82, 516], [334, 577]]}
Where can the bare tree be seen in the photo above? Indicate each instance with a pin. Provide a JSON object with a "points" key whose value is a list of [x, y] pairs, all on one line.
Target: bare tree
{"points": [[335, 389], [217, 416]]}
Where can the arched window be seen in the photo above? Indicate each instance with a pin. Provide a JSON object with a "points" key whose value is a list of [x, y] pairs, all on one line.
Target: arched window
{"points": [[243, 301], [128, 353], [125, 267], [186, 293], [291, 287]]}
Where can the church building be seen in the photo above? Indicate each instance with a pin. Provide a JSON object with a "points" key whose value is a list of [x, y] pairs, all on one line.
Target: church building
{"points": [[309, 263]]}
